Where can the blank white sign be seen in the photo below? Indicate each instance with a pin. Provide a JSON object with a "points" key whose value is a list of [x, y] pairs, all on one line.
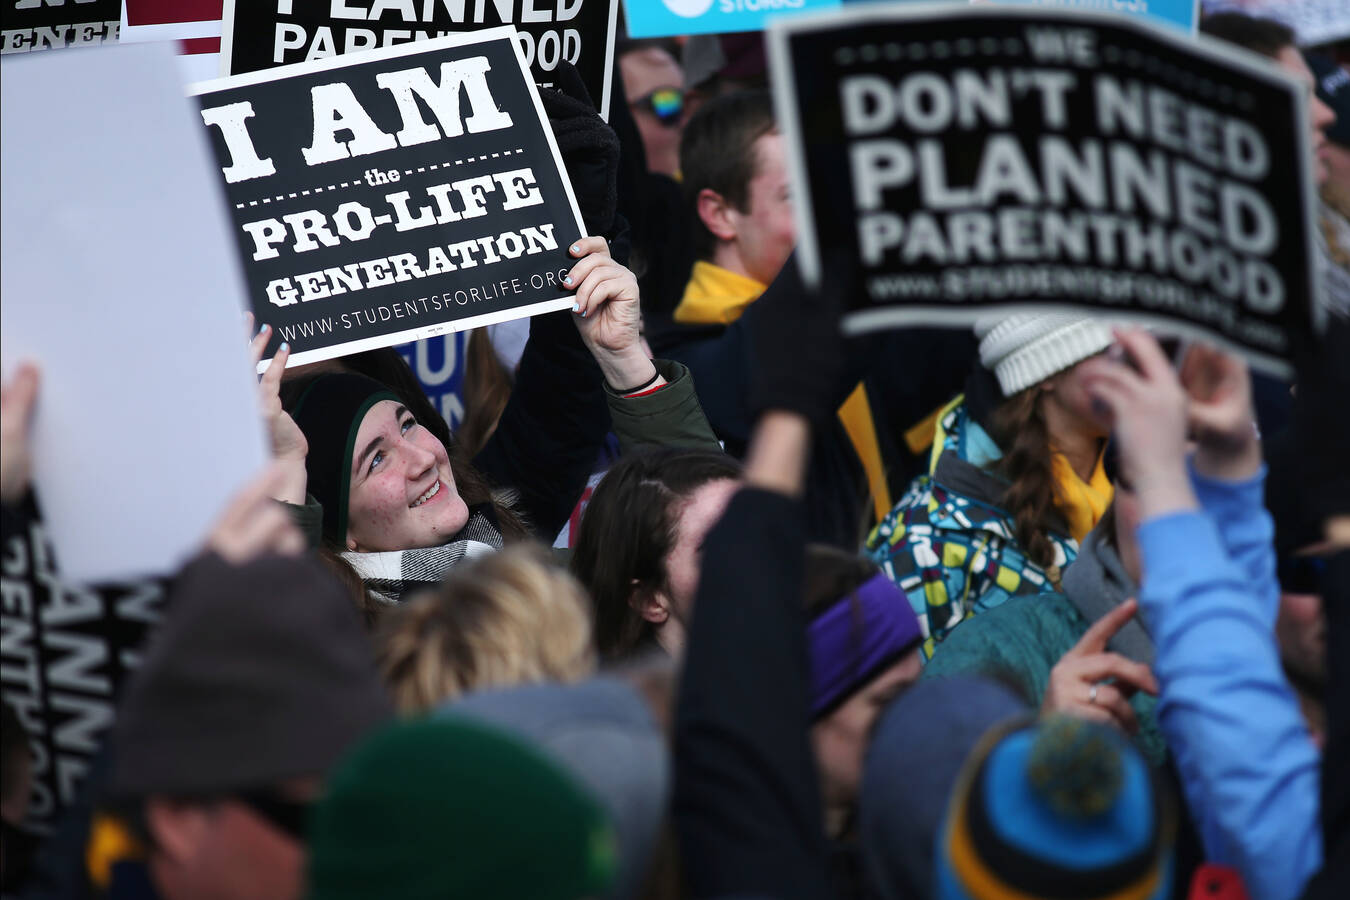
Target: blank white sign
{"points": [[120, 278]]}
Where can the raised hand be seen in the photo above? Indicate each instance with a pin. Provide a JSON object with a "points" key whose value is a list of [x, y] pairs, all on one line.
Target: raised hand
{"points": [[17, 399], [1093, 683], [608, 314], [1221, 417], [253, 524], [1147, 409], [288, 443]]}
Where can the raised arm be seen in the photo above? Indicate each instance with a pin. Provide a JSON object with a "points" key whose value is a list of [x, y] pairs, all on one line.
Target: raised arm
{"points": [[1226, 469], [747, 802], [1247, 764]]}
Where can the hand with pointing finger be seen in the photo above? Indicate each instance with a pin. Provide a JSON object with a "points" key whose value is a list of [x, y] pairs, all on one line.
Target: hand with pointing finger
{"points": [[1093, 683], [288, 443]]}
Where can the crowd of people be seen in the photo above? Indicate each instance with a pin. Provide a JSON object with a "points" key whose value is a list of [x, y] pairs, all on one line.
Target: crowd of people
{"points": [[1051, 607]]}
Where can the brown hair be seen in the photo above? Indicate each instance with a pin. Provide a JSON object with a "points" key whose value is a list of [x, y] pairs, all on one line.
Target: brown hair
{"points": [[717, 151], [629, 529], [486, 388], [1019, 427], [833, 574], [505, 619], [1264, 36]]}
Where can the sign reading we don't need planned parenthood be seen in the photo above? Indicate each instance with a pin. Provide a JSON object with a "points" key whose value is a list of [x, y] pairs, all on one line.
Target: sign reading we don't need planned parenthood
{"points": [[394, 195], [973, 158]]}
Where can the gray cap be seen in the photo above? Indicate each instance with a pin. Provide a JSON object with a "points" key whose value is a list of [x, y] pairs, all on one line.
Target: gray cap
{"points": [[920, 743], [601, 732], [258, 673]]}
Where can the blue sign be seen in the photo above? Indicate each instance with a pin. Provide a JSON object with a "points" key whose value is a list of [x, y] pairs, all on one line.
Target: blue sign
{"points": [[1183, 14], [663, 18], [438, 363]]}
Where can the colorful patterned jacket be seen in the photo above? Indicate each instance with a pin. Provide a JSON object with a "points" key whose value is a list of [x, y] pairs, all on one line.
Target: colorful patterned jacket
{"points": [[948, 545]]}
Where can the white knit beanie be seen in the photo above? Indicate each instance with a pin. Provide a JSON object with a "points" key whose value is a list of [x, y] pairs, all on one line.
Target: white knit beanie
{"points": [[1022, 350]]}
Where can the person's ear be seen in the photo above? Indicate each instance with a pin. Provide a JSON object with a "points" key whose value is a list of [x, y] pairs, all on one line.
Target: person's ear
{"points": [[178, 830], [715, 213], [351, 543], [653, 606]]}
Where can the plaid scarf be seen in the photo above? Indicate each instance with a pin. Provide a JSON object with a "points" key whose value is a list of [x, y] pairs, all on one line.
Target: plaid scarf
{"points": [[392, 574]]}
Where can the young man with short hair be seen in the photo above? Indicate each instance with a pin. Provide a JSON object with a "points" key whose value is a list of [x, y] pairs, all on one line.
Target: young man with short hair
{"points": [[738, 197], [735, 186], [736, 183]]}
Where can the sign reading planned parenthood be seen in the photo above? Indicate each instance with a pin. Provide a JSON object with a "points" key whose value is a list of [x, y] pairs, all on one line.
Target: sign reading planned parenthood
{"points": [[394, 195], [260, 35], [972, 157]]}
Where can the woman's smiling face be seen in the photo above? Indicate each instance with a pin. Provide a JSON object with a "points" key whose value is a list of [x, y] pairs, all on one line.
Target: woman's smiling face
{"points": [[402, 493]]}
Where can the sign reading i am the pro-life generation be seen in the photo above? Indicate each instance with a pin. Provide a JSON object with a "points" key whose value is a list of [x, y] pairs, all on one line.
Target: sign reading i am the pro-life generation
{"points": [[972, 157], [400, 194], [259, 36]]}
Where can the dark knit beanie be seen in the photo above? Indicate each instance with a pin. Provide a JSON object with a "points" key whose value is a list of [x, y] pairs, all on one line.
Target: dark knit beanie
{"points": [[440, 808], [930, 728], [258, 673], [329, 409], [1065, 809]]}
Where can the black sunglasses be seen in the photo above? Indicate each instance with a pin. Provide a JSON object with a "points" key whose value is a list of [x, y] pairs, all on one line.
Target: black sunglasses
{"points": [[1301, 574], [667, 104], [291, 817]]}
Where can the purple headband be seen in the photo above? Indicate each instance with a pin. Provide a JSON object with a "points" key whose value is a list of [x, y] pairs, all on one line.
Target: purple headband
{"points": [[852, 642]]}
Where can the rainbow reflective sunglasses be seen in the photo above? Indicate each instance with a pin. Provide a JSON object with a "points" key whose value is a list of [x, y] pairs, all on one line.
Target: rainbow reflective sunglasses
{"points": [[667, 104]]}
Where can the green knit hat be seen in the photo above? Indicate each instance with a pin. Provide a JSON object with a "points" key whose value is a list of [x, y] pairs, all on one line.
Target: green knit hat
{"points": [[439, 808]]}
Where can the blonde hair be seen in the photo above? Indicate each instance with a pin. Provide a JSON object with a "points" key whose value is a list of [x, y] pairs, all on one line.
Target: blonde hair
{"points": [[506, 619]]}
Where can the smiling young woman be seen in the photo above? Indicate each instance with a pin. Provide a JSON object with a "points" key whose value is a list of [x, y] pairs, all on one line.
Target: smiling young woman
{"points": [[401, 507]]}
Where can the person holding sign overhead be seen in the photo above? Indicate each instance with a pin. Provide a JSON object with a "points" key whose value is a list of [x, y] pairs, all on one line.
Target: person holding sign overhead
{"points": [[390, 500]]}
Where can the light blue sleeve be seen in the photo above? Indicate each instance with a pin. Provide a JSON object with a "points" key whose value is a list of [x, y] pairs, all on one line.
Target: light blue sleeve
{"points": [[1249, 770], [1246, 530]]}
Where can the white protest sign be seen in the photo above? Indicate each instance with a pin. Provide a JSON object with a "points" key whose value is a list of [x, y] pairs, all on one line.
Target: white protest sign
{"points": [[121, 280]]}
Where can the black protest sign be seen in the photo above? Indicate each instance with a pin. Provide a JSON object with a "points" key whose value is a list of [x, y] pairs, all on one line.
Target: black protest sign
{"points": [[972, 157], [258, 36], [66, 653], [27, 25], [394, 195]]}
